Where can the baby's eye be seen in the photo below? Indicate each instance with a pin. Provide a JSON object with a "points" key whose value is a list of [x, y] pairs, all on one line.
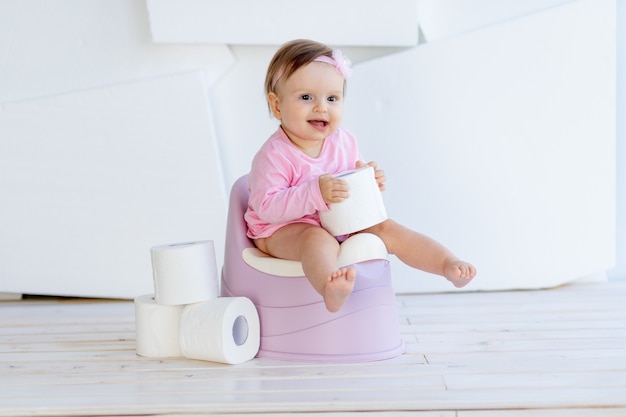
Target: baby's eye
{"points": [[305, 97], [332, 98]]}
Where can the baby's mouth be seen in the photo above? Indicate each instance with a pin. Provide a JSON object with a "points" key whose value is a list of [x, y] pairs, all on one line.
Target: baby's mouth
{"points": [[320, 124]]}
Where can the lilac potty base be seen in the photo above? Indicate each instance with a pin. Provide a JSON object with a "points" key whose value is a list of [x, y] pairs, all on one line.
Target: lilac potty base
{"points": [[365, 329], [295, 324]]}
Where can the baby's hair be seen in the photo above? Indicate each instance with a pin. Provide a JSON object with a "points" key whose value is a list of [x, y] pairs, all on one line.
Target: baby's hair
{"points": [[290, 57]]}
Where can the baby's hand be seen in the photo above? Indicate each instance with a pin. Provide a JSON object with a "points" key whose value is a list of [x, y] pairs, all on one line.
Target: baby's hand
{"points": [[334, 190], [378, 173]]}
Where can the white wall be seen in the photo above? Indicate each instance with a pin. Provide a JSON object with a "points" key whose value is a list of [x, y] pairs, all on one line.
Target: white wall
{"points": [[507, 135], [620, 270], [245, 22], [91, 51], [107, 147]]}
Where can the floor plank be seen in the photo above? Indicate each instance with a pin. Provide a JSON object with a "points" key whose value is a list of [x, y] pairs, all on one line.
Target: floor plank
{"points": [[551, 353]]}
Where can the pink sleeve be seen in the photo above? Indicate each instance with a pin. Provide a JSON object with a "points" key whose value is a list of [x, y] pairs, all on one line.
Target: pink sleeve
{"points": [[272, 197]]}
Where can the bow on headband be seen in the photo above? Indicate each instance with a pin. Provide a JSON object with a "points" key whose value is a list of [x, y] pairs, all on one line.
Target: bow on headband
{"points": [[339, 61]]}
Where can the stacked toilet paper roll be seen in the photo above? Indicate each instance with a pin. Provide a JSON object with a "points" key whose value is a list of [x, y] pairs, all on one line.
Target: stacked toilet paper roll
{"points": [[186, 317], [184, 273], [157, 328], [222, 330], [362, 209]]}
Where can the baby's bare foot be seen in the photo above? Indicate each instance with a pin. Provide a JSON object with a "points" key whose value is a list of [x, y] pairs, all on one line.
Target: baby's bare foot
{"points": [[458, 272], [338, 288]]}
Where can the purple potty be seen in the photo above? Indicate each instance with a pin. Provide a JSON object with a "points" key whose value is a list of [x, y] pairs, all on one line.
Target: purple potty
{"points": [[295, 324]]}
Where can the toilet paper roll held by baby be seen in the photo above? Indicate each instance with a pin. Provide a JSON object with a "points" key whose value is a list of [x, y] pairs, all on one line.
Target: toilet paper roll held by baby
{"points": [[364, 208]]}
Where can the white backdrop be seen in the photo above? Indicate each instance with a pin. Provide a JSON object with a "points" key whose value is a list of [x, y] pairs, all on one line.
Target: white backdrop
{"points": [[97, 177], [100, 114], [507, 143]]}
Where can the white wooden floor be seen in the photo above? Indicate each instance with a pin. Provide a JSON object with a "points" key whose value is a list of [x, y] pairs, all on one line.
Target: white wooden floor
{"points": [[560, 352]]}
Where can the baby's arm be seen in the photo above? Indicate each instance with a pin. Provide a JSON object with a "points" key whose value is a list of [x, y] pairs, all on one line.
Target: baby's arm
{"points": [[378, 173], [273, 198]]}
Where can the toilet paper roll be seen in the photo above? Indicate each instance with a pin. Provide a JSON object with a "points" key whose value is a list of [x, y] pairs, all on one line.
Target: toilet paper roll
{"points": [[184, 273], [364, 208], [223, 330], [157, 327]]}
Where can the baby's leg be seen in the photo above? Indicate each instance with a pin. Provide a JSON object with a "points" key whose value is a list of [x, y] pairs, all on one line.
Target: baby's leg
{"points": [[338, 289], [422, 252], [317, 250], [318, 254]]}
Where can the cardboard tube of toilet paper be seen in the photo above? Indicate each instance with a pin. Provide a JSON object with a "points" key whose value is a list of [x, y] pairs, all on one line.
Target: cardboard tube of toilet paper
{"points": [[184, 273], [157, 328], [224, 330], [364, 208]]}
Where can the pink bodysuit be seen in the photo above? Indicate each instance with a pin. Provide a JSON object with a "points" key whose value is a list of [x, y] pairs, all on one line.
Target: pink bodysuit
{"points": [[283, 181]]}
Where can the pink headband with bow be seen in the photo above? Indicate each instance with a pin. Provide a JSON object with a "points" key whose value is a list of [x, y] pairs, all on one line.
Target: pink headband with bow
{"points": [[338, 60]]}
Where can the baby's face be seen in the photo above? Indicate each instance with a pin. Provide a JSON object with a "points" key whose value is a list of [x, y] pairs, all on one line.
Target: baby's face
{"points": [[309, 104]]}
